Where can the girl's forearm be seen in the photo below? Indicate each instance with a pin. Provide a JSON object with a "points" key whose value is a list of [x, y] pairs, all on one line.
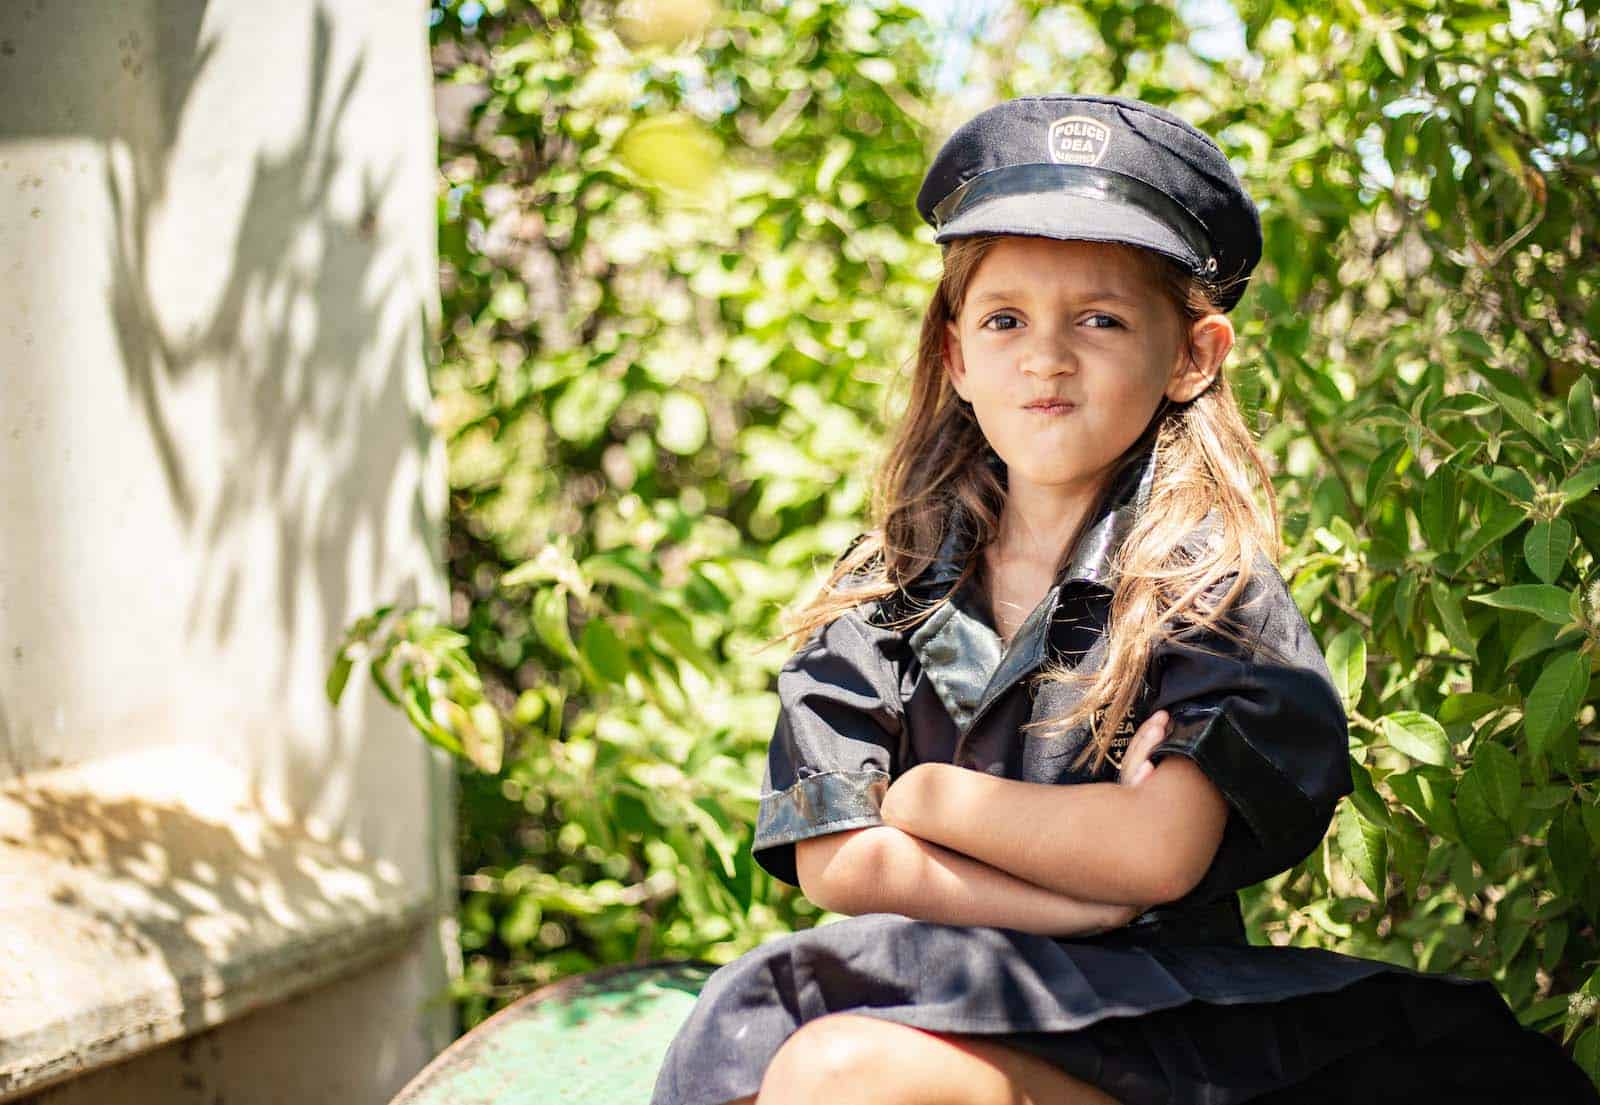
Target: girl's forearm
{"points": [[916, 878], [1100, 842]]}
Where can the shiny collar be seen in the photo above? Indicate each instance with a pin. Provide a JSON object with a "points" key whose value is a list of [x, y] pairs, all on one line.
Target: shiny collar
{"points": [[962, 655], [1092, 559]]}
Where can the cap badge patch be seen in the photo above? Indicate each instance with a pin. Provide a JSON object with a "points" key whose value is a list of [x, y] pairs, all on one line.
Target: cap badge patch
{"points": [[1078, 140]]}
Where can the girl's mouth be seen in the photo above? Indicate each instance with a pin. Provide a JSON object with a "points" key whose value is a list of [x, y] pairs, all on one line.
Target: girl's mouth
{"points": [[1051, 406]]}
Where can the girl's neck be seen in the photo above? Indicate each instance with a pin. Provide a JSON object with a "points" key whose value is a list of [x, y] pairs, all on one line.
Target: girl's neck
{"points": [[1037, 522]]}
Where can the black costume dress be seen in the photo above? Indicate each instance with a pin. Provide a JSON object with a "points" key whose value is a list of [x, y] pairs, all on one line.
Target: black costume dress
{"points": [[1174, 1008]]}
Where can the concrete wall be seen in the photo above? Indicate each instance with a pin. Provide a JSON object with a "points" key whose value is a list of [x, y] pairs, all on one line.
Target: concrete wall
{"points": [[216, 280]]}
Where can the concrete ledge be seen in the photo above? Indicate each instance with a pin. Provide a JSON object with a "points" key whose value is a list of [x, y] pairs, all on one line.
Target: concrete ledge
{"points": [[146, 897]]}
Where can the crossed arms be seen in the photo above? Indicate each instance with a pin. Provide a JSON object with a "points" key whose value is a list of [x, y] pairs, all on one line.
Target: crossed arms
{"points": [[962, 847]]}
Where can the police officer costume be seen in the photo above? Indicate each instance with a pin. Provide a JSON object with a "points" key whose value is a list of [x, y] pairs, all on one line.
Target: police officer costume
{"points": [[1175, 1007]]}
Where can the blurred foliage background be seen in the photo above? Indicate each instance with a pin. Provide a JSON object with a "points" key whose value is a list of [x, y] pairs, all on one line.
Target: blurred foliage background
{"points": [[681, 275]]}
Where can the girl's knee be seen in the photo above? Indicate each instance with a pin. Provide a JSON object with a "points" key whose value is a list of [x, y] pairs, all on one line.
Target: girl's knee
{"points": [[845, 1057], [838, 1048]]}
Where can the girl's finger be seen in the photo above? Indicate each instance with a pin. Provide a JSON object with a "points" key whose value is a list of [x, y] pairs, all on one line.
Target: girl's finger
{"points": [[1152, 731], [1136, 763]]}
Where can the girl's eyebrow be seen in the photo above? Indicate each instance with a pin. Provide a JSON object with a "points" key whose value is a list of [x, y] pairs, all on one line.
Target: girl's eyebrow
{"points": [[1098, 293]]}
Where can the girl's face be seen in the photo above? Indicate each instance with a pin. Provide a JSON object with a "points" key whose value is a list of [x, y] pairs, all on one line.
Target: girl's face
{"points": [[1065, 349]]}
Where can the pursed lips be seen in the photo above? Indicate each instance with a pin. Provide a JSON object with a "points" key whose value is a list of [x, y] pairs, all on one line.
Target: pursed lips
{"points": [[1050, 406]]}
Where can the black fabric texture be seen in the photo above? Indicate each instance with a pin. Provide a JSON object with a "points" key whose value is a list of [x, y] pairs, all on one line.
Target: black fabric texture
{"points": [[1264, 723], [1151, 1025], [840, 714]]}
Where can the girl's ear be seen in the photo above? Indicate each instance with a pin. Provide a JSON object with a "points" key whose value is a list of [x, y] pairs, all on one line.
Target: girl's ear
{"points": [[1212, 338], [954, 366]]}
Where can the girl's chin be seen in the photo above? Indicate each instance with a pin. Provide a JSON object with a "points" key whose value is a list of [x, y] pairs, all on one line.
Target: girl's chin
{"points": [[1066, 477]]}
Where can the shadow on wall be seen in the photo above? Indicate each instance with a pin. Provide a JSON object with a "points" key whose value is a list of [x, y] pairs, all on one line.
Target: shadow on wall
{"points": [[284, 403], [307, 292], [260, 231]]}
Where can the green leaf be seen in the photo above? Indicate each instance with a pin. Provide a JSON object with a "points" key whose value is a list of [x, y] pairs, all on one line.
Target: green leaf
{"points": [[1532, 101], [1465, 706], [1581, 424], [482, 739], [707, 815], [676, 634], [338, 676], [550, 622], [1555, 942], [1451, 619], [1555, 698], [1531, 421], [1571, 858], [840, 150], [1586, 1053], [585, 407], [419, 709], [1347, 662], [1389, 50], [1508, 482], [1541, 1014], [1470, 20], [1430, 794], [553, 564], [1500, 519], [1535, 637], [1383, 469], [1441, 505], [1497, 769], [1364, 848], [1580, 483], [1591, 822], [604, 650], [1546, 547], [615, 570], [1469, 341], [1551, 603], [1482, 831], [1417, 735], [1366, 796], [1405, 599]]}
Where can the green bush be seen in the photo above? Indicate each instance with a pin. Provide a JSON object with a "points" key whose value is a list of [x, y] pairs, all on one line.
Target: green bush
{"points": [[681, 268]]}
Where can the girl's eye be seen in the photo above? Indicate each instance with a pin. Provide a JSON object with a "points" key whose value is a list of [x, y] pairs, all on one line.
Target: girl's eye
{"points": [[1106, 322], [1002, 317]]}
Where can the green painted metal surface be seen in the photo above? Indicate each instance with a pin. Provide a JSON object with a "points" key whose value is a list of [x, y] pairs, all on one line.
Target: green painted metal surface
{"points": [[597, 1039]]}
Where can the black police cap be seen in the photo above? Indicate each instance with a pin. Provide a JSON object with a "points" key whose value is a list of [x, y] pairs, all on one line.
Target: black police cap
{"points": [[1096, 168]]}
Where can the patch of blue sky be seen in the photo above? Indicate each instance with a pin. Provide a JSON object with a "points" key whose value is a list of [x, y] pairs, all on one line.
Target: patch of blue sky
{"points": [[957, 26], [1216, 31]]}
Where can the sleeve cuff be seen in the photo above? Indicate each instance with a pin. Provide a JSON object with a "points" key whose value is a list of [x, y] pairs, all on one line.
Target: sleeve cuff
{"points": [[1271, 803], [822, 803]]}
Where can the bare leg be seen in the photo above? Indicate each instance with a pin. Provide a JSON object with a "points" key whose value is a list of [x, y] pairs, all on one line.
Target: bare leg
{"points": [[844, 1059]]}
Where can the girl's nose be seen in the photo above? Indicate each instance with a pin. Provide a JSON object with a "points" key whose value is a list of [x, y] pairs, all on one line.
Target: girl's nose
{"points": [[1050, 355]]}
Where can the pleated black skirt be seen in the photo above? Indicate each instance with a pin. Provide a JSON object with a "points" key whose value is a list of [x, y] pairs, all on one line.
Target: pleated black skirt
{"points": [[1208, 1024]]}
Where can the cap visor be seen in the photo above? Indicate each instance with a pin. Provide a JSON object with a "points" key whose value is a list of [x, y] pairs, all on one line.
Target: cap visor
{"points": [[1069, 218]]}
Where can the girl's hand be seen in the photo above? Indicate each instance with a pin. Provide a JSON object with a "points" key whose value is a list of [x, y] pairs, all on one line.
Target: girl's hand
{"points": [[1136, 765], [907, 796], [1115, 917]]}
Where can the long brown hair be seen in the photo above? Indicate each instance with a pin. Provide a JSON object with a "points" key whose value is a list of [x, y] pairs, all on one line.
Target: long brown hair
{"points": [[936, 470]]}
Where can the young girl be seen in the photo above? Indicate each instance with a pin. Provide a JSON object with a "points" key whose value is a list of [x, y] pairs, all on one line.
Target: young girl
{"points": [[1058, 706]]}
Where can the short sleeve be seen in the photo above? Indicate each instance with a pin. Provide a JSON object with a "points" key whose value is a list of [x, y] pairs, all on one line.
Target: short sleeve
{"points": [[836, 743], [1269, 731]]}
